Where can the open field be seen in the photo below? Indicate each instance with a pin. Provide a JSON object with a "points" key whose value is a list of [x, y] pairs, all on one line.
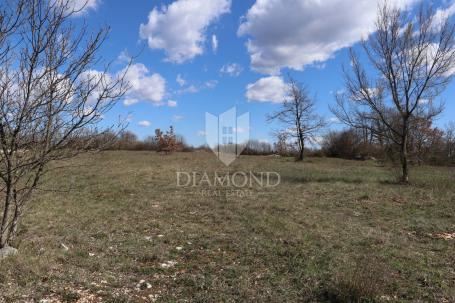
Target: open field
{"points": [[332, 231]]}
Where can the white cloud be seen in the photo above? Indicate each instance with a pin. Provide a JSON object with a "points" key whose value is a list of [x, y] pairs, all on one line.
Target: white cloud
{"points": [[240, 130], [124, 57], [201, 133], [172, 103], [214, 43], [79, 7], [297, 33], [442, 14], [180, 28], [210, 84], [192, 89], [98, 80], [177, 118], [232, 69], [130, 101], [144, 85], [269, 89], [180, 80], [144, 123]]}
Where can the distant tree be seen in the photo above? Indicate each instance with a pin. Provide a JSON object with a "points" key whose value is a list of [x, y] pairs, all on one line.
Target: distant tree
{"points": [[450, 142], [343, 144], [127, 140], [426, 143], [106, 140], [150, 143], [51, 97], [413, 59], [256, 147], [167, 142], [297, 114], [281, 144]]}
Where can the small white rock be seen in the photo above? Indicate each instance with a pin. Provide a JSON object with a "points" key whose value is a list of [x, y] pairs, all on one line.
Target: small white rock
{"points": [[168, 264], [7, 251]]}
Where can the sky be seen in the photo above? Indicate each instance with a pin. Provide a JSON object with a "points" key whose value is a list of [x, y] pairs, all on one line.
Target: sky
{"points": [[198, 56]]}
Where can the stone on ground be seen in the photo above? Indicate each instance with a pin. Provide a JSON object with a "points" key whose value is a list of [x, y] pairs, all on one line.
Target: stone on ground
{"points": [[7, 252]]}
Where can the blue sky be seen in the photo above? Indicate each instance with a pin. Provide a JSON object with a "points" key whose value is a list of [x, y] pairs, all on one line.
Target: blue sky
{"points": [[179, 73]]}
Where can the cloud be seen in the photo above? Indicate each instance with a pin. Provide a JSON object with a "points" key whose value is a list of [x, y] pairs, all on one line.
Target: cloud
{"points": [[269, 89], [442, 14], [192, 89], [240, 130], [334, 120], [201, 133], [124, 57], [180, 80], [172, 103], [144, 85], [210, 84], [130, 101], [97, 79], [177, 118], [144, 123], [79, 7], [214, 43], [297, 33], [232, 69], [180, 28]]}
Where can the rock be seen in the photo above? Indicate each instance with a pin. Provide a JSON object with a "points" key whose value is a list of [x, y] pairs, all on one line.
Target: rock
{"points": [[168, 264], [7, 252], [142, 285]]}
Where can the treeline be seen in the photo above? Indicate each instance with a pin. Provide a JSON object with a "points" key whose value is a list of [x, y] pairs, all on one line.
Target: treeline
{"points": [[426, 144], [166, 142]]}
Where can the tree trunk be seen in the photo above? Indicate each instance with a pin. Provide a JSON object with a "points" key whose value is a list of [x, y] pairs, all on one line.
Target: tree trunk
{"points": [[301, 148], [404, 155], [4, 230], [300, 157], [404, 167]]}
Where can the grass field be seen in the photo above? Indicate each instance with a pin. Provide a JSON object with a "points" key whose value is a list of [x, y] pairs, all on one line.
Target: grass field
{"points": [[332, 231]]}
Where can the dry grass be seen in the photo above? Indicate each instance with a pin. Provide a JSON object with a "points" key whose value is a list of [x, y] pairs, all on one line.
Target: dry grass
{"points": [[334, 231]]}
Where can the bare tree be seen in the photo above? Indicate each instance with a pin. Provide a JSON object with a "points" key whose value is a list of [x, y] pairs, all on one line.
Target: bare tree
{"points": [[297, 113], [281, 144], [450, 142], [413, 59], [51, 96]]}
